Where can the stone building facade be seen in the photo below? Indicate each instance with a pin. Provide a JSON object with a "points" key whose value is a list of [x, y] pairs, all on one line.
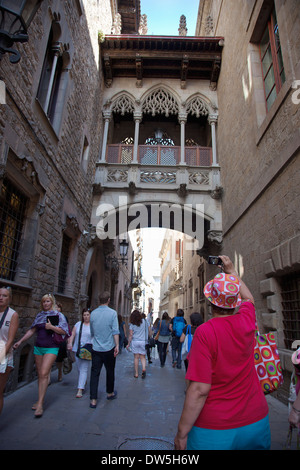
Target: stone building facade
{"points": [[258, 146], [50, 135]]}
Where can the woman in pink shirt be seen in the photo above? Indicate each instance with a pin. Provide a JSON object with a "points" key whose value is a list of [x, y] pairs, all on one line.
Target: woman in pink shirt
{"points": [[225, 408]]}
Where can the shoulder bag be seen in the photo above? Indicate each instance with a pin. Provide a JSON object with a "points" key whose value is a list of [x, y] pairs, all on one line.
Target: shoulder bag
{"points": [[186, 346], [85, 351], [267, 362], [157, 334]]}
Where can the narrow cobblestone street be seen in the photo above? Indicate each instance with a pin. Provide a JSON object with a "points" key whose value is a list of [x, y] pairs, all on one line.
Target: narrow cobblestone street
{"points": [[143, 417]]}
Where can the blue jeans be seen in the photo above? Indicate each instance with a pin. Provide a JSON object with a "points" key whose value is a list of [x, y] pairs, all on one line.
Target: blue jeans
{"points": [[256, 436], [176, 351], [98, 359]]}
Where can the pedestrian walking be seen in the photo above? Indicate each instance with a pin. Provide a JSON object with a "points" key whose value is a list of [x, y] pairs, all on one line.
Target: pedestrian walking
{"points": [[148, 346], [122, 333], [196, 320], [164, 334], [224, 408], [9, 322], [139, 332], [105, 347], [176, 326], [81, 337], [51, 327]]}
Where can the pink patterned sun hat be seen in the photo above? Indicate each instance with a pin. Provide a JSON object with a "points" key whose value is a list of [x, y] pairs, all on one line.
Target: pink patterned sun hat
{"points": [[223, 291]]}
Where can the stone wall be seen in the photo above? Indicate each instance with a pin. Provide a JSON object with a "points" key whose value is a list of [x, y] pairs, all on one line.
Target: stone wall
{"points": [[259, 156], [61, 196]]}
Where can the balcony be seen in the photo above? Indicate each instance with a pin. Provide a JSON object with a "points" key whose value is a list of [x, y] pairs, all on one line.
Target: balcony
{"points": [[157, 167], [159, 155]]}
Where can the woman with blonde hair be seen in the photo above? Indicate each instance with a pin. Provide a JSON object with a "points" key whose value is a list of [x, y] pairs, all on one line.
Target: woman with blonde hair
{"points": [[51, 328]]}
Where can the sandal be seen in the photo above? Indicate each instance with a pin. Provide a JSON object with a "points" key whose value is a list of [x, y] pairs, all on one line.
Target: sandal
{"points": [[136, 376], [143, 374], [39, 412], [79, 394]]}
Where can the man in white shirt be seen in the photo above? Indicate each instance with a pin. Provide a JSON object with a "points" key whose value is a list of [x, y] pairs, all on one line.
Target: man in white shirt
{"points": [[105, 347]]}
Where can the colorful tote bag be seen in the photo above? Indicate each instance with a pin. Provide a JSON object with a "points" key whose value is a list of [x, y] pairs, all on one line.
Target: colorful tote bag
{"points": [[267, 362]]}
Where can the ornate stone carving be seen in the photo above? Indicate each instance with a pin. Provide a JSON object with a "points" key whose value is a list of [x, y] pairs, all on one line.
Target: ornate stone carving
{"points": [[117, 24], [132, 189], [197, 107], [143, 29], [215, 236], [217, 193], [123, 105], [160, 102], [182, 30], [182, 191], [97, 189], [209, 25], [117, 176], [151, 176], [199, 177]]}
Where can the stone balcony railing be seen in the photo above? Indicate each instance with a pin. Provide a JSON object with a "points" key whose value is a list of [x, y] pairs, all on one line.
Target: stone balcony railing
{"points": [[159, 155], [158, 167]]}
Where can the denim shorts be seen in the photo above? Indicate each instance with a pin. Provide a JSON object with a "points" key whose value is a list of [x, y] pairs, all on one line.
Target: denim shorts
{"points": [[38, 351], [255, 436]]}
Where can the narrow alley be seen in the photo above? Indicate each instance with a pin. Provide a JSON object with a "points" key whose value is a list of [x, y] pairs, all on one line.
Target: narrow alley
{"points": [[143, 417]]}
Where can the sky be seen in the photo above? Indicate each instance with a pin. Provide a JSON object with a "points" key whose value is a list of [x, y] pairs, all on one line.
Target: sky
{"points": [[163, 16]]}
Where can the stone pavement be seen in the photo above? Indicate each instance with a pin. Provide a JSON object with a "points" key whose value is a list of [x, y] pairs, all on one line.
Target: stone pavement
{"points": [[143, 417]]}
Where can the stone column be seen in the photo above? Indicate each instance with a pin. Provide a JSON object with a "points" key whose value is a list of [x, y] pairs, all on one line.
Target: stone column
{"points": [[212, 119], [137, 119], [105, 134], [182, 119], [57, 52]]}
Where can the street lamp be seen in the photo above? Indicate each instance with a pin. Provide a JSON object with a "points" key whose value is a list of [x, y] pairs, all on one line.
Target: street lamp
{"points": [[113, 261], [15, 18], [123, 250]]}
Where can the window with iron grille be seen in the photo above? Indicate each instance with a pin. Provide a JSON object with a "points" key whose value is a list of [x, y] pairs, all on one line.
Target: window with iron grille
{"points": [[63, 265], [271, 60], [12, 216], [290, 293]]}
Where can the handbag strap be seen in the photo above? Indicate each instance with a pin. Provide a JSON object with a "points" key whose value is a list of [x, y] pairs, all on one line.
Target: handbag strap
{"points": [[3, 317], [79, 337]]}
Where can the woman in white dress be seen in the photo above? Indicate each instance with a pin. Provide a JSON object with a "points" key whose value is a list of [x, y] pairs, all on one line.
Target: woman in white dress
{"points": [[139, 331]]}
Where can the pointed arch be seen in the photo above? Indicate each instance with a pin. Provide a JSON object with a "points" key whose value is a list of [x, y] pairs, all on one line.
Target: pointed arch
{"points": [[198, 105], [160, 100], [123, 103]]}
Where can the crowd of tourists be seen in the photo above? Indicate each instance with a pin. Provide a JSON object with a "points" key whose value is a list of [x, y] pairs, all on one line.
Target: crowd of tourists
{"points": [[224, 407]]}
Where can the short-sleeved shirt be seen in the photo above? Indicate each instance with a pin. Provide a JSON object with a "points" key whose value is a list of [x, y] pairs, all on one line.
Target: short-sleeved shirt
{"points": [[140, 333], [44, 338], [104, 326], [222, 354]]}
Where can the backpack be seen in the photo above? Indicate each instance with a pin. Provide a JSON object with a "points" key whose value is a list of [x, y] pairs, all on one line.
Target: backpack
{"points": [[178, 325]]}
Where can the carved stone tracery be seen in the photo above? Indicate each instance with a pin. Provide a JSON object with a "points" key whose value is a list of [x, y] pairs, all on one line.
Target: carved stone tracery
{"points": [[123, 105], [197, 107], [160, 102]]}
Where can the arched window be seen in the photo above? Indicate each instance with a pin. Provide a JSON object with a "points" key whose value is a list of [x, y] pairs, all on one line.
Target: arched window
{"points": [[53, 80]]}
